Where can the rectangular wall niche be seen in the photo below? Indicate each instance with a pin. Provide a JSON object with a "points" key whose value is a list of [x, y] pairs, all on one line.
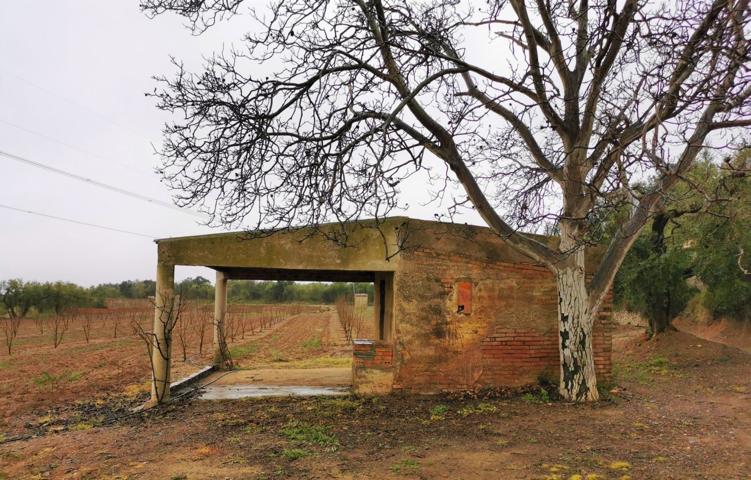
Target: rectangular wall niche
{"points": [[464, 297]]}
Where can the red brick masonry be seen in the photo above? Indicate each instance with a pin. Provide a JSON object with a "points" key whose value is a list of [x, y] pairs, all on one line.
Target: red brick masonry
{"points": [[516, 356], [370, 354]]}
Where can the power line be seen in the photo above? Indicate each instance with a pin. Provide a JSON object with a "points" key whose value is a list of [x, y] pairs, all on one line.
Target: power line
{"points": [[106, 186], [73, 102], [70, 220], [59, 142]]}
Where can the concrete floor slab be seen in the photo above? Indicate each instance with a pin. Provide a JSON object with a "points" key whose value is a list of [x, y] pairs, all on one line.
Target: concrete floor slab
{"points": [[232, 392], [272, 382]]}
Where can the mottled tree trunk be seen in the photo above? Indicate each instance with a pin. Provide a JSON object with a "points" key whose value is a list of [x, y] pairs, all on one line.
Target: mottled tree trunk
{"points": [[575, 320]]}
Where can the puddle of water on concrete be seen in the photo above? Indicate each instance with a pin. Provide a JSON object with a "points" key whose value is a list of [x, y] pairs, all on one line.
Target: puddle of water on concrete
{"points": [[231, 392]]}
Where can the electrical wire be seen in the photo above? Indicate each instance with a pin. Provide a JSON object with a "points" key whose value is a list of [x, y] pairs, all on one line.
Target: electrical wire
{"points": [[72, 102], [97, 183], [60, 142], [70, 220]]}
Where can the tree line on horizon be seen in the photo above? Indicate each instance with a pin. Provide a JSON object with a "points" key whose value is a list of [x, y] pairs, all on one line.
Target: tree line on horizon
{"points": [[21, 299]]}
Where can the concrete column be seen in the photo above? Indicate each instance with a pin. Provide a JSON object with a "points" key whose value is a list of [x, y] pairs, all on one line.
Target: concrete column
{"points": [[383, 305], [164, 322], [221, 353]]}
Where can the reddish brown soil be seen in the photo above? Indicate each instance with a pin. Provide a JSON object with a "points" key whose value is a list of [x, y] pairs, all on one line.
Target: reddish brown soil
{"points": [[38, 377], [729, 332], [681, 409], [316, 336]]}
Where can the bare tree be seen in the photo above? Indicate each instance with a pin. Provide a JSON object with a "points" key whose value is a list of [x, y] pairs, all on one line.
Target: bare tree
{"points": [[115, 324], [59, 325], [534, 113], [183, 326], [350, 318], [201, 321], [39, 322], [86, 324], [10, 330]]}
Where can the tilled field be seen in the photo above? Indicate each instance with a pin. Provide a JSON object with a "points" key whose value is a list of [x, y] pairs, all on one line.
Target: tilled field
{"points": [[40, 378]]}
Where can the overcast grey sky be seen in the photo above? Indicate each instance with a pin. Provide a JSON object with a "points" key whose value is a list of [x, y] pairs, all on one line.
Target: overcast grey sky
{"points": [[72, 81]]}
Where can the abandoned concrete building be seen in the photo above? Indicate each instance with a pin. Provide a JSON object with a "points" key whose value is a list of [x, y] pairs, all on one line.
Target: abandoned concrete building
{"points": [[455, 307]]}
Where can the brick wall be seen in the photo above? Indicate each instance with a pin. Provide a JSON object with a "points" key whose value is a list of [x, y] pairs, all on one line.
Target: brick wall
{"points": [[372, 367], [509, 337], [519, 357], [372, 354]]}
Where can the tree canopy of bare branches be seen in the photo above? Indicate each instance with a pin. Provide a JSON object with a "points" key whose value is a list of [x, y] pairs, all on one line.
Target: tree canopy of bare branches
{"points": [[538, 112]]}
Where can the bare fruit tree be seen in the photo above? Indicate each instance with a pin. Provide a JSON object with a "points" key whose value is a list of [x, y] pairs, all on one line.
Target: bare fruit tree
{"points": [[537, 114], [10, 330], [59, 324], [350, 317], [183, 327], [201, 322], [87, 322]]}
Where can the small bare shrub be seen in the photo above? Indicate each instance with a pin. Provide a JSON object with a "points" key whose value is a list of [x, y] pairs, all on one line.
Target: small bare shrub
{"points": [[352, 319], [115, 325], [86, 324], [200, 329], [182, 325], [39, 322], [10, 330], [60, 324]]}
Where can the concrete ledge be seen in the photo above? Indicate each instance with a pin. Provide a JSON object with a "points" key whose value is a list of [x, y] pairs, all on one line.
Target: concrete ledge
{"points": [[192, 378]]}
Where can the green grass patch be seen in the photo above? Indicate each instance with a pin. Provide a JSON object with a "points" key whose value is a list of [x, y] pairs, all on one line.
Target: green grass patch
{"points": [[643, 372], [341, 403], [295, 453], [312, 343], [4, 364], [243, 350], [539, 395], [406, 467], [46, 379], [438, 412], [308, 434], [478, 409]]}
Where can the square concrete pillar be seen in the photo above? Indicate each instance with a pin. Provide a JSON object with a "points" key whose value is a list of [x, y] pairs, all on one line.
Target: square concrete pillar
{"points": [[165, 315], [383, 305], [221, 352]]}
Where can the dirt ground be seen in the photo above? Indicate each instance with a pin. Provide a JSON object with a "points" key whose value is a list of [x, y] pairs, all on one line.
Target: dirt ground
{"points": [[112, 368], [725, 331], [680, 408], [312, 340]]}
